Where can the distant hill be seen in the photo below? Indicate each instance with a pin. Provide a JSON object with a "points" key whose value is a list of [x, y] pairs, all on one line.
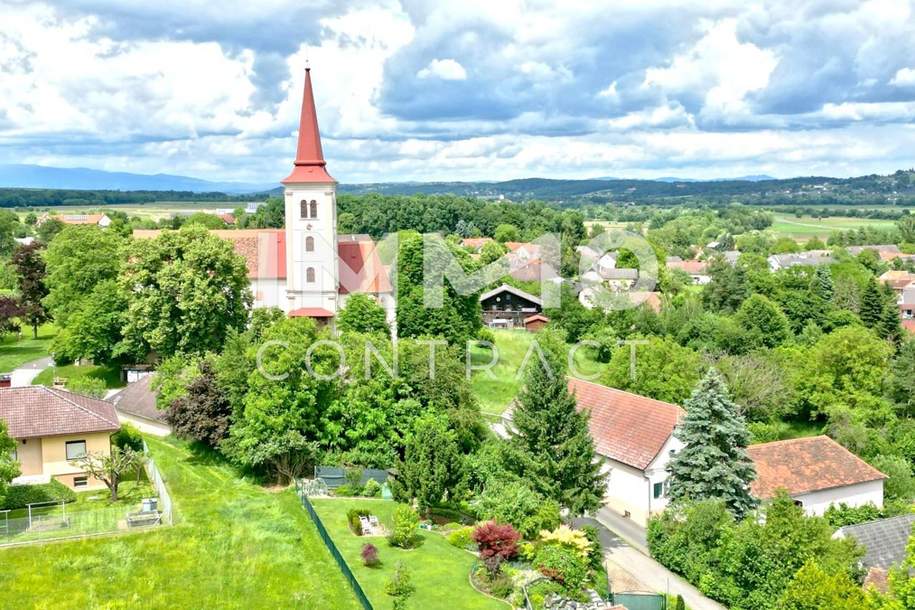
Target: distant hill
{"points": [[40, 176]]}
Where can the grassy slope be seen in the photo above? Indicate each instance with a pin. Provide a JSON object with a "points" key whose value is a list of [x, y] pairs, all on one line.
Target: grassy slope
{"points": [[111, 374], [438, 570], [788, 225], [15, 353], [237, 546], [496, 391]]}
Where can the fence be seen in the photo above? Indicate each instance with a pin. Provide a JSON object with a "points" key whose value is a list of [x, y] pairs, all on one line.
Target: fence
{"points": [[635, 600], [155, 478], [329, 543]]}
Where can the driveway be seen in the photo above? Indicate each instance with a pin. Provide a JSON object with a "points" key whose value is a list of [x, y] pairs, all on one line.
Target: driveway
{"points": [[26, 373], [641, 571]]}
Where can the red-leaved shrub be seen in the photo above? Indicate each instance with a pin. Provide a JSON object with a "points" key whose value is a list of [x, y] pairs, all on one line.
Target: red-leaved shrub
{"points": [[497, 543], [369, 554]]}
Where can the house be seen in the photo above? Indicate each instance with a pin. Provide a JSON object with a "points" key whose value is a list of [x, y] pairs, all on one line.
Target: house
{"points": [[897, 279], [99, 220], [907, 303], [136, 405], [817, 472], [884, 542], [812, 258], [508, 307], [307, 269], [886, 252], [475, 244], [535, 323], [696, 270], [51, 427], [634, 437]]}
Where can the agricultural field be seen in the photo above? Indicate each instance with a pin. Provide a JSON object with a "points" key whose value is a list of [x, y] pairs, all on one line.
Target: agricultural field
{"points": [[805, 227], [237, 545], [151, 211]]}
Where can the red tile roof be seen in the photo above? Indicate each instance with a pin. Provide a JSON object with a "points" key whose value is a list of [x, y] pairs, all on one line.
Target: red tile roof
{"points": [[625, 427], [475, 243], [536, 318], [693, 267], [803, 465], [35, 411], [360, 267], [309, 163], [310, 312]]}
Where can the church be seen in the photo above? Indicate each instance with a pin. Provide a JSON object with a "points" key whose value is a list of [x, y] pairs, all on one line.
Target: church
{"points": [[307, 269]]}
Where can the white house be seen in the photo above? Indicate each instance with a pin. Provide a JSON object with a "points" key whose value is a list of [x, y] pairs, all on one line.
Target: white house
{"points": [[817, 472]]}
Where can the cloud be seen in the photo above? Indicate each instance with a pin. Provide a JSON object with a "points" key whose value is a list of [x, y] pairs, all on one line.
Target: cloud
{"points": [[905, 77], [445, 69]]}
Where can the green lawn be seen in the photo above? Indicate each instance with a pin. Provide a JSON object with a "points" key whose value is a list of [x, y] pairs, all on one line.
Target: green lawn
{"points": [[110, 374], [496, 388], [439, 571], [236, 546], [805, 227], [14, 353]]}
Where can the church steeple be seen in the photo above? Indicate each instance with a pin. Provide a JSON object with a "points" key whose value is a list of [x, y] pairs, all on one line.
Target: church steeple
{"points": [[309, 159]]}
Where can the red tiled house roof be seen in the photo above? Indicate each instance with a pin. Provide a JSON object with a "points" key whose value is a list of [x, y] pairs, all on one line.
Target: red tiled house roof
{"points": [[35, 411], [803, 465], [626, 427]]}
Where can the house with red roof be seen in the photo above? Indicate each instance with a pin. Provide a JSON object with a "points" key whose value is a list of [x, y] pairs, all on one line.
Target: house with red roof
{"points": [[307, 269], [53, 427], [817, 472]]}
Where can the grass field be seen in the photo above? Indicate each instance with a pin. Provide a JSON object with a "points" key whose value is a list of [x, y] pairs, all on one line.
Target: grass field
{"points": [[14, 353], [236, 546], [438, 570], [805, 227], [496, 388], [111, 374]]}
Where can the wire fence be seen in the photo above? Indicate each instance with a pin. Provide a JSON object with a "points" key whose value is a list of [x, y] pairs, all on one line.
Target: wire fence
{"points": [[158, 482], [334, 552]]}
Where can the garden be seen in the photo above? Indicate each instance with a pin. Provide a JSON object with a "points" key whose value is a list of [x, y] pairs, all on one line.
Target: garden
{"points": [[403, 561]]}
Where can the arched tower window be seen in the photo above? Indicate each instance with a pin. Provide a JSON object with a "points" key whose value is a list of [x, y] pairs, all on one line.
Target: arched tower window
{"points": [[303, 209], [309, 244], [313, 206], [310, 275]]}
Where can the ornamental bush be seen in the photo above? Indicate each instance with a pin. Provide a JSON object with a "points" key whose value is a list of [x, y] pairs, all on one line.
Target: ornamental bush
{"points": [[562, 563], [462, 538], [405, 523], [369, 555], [372, 489], [20, 496], [497, 543], [353, 519]]}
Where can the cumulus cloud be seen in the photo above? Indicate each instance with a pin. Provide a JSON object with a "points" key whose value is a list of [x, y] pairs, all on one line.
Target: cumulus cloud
{"points": [[445, 69]]}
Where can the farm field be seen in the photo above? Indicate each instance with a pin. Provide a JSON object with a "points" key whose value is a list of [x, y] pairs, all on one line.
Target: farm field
{"points": [[805, 227], [439, 571], [153, 211], [236, 546]]}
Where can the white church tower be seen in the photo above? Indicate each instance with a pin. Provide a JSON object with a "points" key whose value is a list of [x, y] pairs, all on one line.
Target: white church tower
{"points": [[312, 275]]}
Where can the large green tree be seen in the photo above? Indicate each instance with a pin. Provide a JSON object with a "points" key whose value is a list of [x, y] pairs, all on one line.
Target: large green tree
{"points": [[713, 464], [663, 369], [432, 468], [94, 329], [31, 271], [815, 589], [362, 314], [901, 380], [551, 439], [185, 291], [765, 323]]}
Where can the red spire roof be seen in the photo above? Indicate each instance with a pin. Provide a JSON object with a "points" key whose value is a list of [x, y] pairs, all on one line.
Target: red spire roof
{"points": [[309, 158]]}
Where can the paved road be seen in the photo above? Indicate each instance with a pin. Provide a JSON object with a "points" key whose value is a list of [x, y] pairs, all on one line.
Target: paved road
{"points": [[26, 373], [627, 529], [651, 574]]}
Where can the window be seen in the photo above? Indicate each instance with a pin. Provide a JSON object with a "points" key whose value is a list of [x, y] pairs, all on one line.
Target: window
{"points": [[658, 490], [75, 449], [80, 482], [313, 206], [309, 244], [310, 275], [303, 209]]}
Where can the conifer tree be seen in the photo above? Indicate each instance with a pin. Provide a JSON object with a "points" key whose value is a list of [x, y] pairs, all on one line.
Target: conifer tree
{"points": [[872, 306], [714, 463], [822, 283], [551, 441]]}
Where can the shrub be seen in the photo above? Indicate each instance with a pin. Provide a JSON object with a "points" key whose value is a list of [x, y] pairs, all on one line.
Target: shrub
{"points": [[369, 555], [88, 386], [517, 504], [372, 489], [20, 496], [843, 514], [353, 519], [128, 437], [400, 585], [405, 523], [679, 604], [501, 586], [497, 543], [461, 538], [343, 491], [563, 564], [566, 536], [595, 552]]}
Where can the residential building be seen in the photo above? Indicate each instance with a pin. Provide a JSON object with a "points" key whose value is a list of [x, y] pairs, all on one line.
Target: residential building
{"points": [[51, 428], [884, 542], [696, 270], [508, 307], [306, 269], [99, 220], [898, 280], [886, 252], [136, 405], [535, 323], [812, 258], [816, 472], [475, 244], [907, 303]]}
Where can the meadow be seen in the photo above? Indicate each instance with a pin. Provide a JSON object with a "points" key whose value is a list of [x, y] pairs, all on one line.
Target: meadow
{"points": [[805, 227]]}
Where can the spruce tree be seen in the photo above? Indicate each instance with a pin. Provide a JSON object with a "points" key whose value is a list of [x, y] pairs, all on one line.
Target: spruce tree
{"points": [[714, 463], [822, 283], [554, 450], [871, 305]]}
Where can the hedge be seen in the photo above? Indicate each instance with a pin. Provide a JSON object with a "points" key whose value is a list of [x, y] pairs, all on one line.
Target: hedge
{"points": [[20, 496]]}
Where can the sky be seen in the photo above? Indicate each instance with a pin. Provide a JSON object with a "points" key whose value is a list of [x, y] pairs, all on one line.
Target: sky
{"points": [[462, 90]]}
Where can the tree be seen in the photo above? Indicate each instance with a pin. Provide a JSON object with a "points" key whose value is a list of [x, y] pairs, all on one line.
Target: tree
{"points": [[900, 483], [727, 288], [10, 311], [822, 283], [902, 583], [551, 438], [901, 380], [185, 291], [9, 467], [497, 543], [362, 314], [94, 329], [9, 223], [812, 588], [906, 226], [110, 468], [515, 503], [492, 251], [713, 463], [664, 370], [272, 214], [30, 268], [204, 413], [506, 232], [406, 521], [432, 468], [764, 321], [400, 586], [49, 229], [872, 306]]}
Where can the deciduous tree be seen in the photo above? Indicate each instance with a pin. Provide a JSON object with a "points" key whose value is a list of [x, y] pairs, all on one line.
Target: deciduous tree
{"points": [[30, 268]]}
